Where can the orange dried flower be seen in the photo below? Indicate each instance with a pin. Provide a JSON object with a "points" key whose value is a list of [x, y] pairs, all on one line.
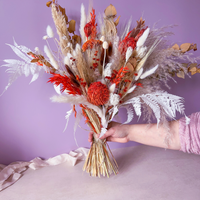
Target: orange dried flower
{"points": [[98, 93], [90, 44]]}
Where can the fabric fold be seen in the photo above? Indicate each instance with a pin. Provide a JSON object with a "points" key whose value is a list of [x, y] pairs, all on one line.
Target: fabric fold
{"points": [[13, 172]]}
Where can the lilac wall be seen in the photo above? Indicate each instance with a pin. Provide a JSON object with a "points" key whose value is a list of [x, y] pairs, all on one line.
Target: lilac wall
{"points": [[30, 125]]}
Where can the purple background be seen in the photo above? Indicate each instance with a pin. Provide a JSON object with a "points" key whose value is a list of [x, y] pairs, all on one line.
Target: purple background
{"points": [[30, 125]]}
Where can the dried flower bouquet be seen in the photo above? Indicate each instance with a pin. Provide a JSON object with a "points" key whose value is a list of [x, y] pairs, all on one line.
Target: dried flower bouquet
{"points": [[102, 71]]}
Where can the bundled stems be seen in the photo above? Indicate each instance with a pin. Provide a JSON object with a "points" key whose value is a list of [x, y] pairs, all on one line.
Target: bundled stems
{"points": [[100, 160]]}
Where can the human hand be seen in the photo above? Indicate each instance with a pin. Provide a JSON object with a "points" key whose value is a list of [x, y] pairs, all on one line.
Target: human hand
{"points": [[116, 133]]}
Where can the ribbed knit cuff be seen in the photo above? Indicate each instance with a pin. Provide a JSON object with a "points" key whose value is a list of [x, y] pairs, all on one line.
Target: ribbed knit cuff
{"points": [[190, 134]]}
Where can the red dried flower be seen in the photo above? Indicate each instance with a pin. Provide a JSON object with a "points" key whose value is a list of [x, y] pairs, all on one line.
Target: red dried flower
{"points": [[120, 75], [127, 42], [98, 93], [66, 82], [90, 27]]}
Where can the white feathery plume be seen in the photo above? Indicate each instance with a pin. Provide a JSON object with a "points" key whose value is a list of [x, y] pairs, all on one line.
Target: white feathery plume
{"points": [[143, 38], [113, 111], [51, 58], [50, 32], [83, 23], [129, 53], [127, 28], [67, 118], [139, 74], [115, 45], [89, 10], [142, 62], [76, 100], [149, 72]]}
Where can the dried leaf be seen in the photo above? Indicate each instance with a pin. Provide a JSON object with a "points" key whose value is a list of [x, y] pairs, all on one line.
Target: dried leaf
{"points": [[133, 62], [193, 67], [110, 11], [62, 10], [185, 47], [181, 74], [185, 65], [48, 4], [76, 38], [117, 21], [35, 60], [193, 46], [130, 67], [175, 47], [72, 26], [193, 72], [137, 29]]}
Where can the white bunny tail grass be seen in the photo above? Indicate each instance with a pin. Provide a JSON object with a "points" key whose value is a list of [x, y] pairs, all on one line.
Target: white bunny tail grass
{"points": [[50, 32]]}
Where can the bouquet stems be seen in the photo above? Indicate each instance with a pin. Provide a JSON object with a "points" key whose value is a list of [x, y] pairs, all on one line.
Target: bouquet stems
{"points": [[100, 160]]}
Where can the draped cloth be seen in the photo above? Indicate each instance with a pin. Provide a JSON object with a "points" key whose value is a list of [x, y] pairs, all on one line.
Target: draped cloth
{"points": [[11, 173], [190, 134]]}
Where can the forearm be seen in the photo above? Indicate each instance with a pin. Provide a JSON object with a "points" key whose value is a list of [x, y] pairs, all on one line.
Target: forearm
{"points": [[155, 136]]}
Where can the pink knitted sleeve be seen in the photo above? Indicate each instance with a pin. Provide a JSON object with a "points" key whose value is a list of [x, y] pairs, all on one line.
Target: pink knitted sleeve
{"points": [[190, 134]]}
